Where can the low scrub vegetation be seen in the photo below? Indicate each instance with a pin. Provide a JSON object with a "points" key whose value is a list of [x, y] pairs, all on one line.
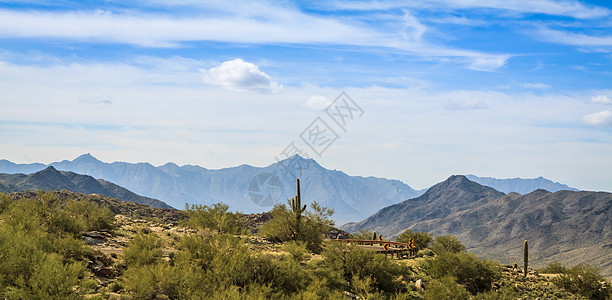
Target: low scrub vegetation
{"points": [[40, 246], [315, 223], [421, 240], [42, 256]]}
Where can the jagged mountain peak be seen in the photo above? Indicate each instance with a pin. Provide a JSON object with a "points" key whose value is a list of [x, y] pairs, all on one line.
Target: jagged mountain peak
{"points": [[49, 169], [460, 184], [87, 157]]}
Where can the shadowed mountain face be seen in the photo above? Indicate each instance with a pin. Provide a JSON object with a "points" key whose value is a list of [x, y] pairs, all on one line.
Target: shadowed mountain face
{"points": [[52, 179], [567, 226], [246, 188]]}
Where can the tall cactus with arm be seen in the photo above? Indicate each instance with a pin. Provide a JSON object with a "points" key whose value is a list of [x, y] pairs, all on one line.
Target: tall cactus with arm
{"points": [[297, 209], [525, 255]]}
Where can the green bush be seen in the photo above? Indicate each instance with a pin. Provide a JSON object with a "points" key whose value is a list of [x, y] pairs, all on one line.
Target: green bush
{"points": [[297, 250], [5, 201], [447, 243], [554, 268], [421, 239], [584, 280], [445, 287], [362, 234], [344, 262], [91, 215], [215, 217], [425, 252], [143, 249], [315, 224], [475, 274]]}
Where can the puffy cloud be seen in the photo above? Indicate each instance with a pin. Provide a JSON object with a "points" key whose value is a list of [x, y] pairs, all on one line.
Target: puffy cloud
{"points": [[239, 75], [317, 102], [601, 99], [602, 118], [465, 104]]}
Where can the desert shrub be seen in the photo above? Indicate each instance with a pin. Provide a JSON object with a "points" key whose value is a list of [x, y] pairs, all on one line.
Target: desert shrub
{"points": [[318, 289], [215, 217], [584, 280], [504, 293], [362, 234], [115, 286], [315, 224], [344, 262], [297, 250], [425, 252], [554, 268], [445, 287], [5, 201], [51, 278], [91, 215], [475, 274], [223, 258], [284, 275], [447, 243], [151, 281], [143, 249], [421, 239]]}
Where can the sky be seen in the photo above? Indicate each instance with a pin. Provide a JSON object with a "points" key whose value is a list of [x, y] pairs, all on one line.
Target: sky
{"points": [[409, 90]]}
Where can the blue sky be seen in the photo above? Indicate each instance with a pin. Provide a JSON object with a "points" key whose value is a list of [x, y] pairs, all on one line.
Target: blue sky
{"points": [[494, 88]]}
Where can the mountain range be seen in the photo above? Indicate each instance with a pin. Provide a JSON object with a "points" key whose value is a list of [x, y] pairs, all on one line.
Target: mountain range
{"points": [[52, 179], [255, 189], [520, 185], [244, 188], [566, 226]]}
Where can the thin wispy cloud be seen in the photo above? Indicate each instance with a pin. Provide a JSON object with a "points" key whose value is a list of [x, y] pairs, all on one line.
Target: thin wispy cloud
{"points": [[465, 105], [576, 39], [269, 26], [574, 9]]}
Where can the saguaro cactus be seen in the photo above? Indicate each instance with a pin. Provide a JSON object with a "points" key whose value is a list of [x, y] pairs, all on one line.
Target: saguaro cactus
{"points": [[525, 255], [298, 209]]}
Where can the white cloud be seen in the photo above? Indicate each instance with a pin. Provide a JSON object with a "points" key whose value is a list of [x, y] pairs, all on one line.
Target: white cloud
{"points": [[465, 104], [239, 75], [413, 29], [317, 102], [488, 63], [551, 7], [537, 85], [601, 99], [602, 118], [576, 39]]}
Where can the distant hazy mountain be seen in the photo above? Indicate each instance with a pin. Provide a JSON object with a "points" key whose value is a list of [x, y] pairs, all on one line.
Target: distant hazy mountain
{"points": [[519, 185], [51, 179], [566, 226], [246, 188]]}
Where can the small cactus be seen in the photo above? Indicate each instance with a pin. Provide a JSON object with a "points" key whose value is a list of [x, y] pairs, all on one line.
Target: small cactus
{"points": [[525, 255]]}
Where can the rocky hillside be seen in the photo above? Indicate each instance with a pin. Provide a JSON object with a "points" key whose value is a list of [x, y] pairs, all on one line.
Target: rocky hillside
{"points": [[566, 226], [52, 179]]}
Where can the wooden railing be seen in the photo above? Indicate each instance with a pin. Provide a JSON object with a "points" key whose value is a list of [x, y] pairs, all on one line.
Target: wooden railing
{"points": [[400, 249]]}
